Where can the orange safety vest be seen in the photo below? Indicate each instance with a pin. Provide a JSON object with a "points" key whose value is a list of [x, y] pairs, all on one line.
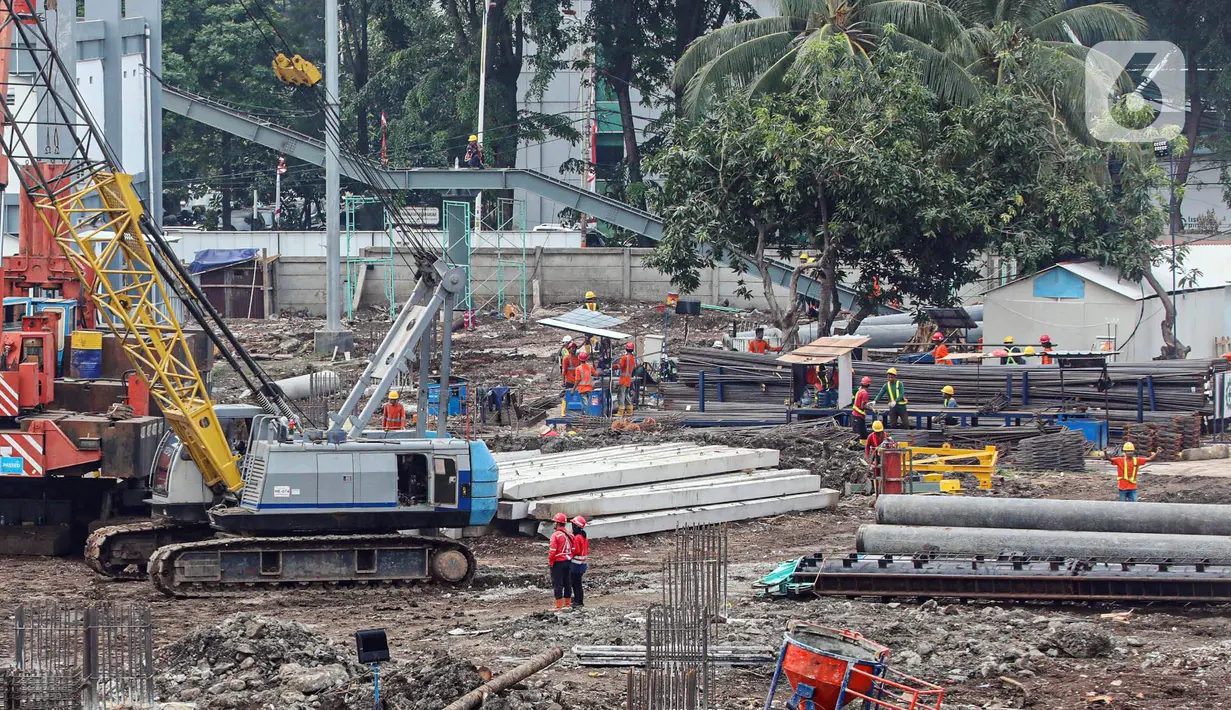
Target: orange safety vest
{"points": [[758, 346], [394, 416], [1045, 360], [591, 306], [1126, 471], [939, 352], [584, 377], [626, 365]]}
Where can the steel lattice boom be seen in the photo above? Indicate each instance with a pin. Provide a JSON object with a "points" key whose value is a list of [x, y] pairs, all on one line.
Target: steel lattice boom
{"points": [[90, 207]]}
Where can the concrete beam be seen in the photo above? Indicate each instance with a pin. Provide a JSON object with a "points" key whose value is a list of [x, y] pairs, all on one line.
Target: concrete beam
{"points": [[536, 465], [681, 494], [635, 473], [659, 521]]}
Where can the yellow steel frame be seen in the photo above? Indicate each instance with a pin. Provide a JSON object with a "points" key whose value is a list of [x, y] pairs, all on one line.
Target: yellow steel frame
{"points": [[944, 460], [96, 221]]}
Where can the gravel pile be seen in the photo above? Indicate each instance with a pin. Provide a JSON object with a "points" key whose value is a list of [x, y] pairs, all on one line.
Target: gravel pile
{"points": [[250, 662]]}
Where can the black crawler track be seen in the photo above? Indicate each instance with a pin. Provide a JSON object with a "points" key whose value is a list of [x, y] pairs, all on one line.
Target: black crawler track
{"points": [[109, 551], [227, 565]]}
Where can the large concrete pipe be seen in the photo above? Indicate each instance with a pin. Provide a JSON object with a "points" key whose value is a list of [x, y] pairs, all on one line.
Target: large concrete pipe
{"points": [[300, 387], [1026, 513], [900, 539]]}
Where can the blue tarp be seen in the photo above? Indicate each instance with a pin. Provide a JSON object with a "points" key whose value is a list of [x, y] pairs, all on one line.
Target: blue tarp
{"points": [[210, 259]]}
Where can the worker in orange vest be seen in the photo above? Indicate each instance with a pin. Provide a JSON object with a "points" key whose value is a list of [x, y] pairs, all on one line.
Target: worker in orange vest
{"points": [[584, 374], [1045, 341], [625, 367], [759, 344], [1127, 467], [859, 409], [940, 353], [580, 562], [568, 360], [591, 301], [559, 560], [393, 414]]}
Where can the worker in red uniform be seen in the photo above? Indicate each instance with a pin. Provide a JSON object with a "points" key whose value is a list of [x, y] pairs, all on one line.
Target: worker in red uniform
{"points": [[940, 353], [625, 367], [860, 407], [580, 562], [759, 344], [872, 449], [559, 559], [1127, 467], [1045, 341], [393, 414]]}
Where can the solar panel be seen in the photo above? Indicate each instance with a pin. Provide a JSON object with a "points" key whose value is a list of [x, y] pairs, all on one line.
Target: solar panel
{"points": [[584, 320], [951, 318]]}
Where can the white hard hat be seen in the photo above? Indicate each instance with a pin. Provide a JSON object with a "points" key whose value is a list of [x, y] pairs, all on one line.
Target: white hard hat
{"points": [[567, 339]]}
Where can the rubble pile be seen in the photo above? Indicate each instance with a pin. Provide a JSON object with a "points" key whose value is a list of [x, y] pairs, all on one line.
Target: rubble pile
{"points": [[249, 662]]}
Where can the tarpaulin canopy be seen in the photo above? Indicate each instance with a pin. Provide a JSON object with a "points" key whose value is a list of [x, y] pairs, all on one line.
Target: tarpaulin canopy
{"points": [[210, 259]]}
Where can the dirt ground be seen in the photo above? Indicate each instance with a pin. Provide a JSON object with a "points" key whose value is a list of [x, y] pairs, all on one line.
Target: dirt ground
{"points": [[1062, 656], [1053, 656]]}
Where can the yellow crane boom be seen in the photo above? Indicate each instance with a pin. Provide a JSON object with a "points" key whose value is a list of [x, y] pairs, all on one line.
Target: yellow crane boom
{"points": [[91, 208]]}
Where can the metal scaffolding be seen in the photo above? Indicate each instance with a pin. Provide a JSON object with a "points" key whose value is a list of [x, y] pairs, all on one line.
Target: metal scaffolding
{"points": [[504, 233], [357, 264]]}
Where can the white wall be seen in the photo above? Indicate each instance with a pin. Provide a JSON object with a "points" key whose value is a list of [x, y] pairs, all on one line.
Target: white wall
{"points": [[187, 242], [1073, 324]]}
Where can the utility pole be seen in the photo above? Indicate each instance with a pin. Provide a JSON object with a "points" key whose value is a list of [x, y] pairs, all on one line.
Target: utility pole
{"points": [[478, 199], [277, 220], [333, 336]]}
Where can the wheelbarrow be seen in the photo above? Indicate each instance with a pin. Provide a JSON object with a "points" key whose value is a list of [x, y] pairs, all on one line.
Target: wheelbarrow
{"points": [[829, 668]]}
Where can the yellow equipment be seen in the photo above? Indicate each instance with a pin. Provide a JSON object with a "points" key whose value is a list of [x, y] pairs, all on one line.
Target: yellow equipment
{"points": [[934, 462], [296, 70]]}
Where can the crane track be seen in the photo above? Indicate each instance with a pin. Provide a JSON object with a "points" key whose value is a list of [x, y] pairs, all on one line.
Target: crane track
{"points": [[99, 545], [163, 569]]}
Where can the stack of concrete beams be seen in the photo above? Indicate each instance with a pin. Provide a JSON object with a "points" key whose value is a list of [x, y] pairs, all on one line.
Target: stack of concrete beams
{"points": [[1081, 529], [640, 489]]}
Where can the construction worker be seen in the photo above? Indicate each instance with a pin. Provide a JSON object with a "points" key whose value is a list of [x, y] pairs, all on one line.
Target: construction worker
{"points": [[584, 374], [759, 344], [474, 154], [875, 439], [893, 389], [559, 560], [591, 303], [7, 358], [1012, 354], [580, 562], [625, 367], [1127, 467], [860, 407], [393, 414], [1046, 343], [948, 401], [568, 359], [940, 353]]}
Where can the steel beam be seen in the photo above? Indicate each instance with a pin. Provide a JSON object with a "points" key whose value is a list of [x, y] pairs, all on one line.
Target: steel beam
{"points": [[312, 151]]}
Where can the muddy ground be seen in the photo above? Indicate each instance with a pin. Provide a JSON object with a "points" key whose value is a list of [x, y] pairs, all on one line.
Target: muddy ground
{"points": [[1062, 656], [1053, 656]]}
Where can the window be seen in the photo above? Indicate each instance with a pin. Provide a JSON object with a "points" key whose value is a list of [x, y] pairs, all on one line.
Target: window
{"points": [[444, 482], [412, 479]]}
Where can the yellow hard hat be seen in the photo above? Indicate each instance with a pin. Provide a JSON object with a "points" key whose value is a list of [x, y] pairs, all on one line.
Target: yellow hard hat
{"points": [[1128, 446], [393, 395], [877, 426], [947, 389], [589, 294], [1008, 339], [1029, 350], [891, 371], [474, 137]]}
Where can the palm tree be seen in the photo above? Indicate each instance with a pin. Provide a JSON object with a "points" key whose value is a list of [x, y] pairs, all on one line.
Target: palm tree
{"points": [[758, 55], [1038, 44]]}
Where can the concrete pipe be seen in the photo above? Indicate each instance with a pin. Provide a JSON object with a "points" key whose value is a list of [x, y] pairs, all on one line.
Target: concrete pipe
{"points": [[1081, 515], [300, 387], [900, 539]]}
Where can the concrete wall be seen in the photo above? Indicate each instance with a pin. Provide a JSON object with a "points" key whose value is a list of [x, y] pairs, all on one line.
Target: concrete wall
{"points": [[1075, 324], [187, 242], [565, 276]]}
